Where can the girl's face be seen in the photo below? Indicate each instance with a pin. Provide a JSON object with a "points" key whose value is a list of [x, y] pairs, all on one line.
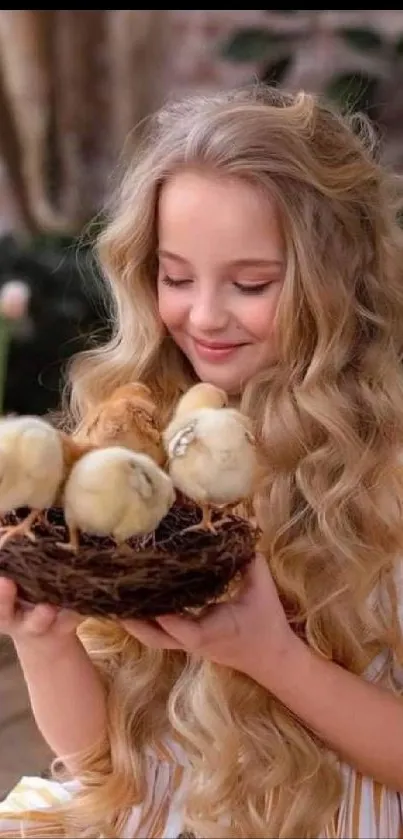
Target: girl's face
{"points": [[221, 270]]}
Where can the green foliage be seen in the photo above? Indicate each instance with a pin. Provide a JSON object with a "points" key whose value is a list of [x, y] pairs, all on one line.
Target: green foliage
{"points": [[361, 38], [67, 313], [274, 53], [275, 71], [252, 43], [354, 91]]}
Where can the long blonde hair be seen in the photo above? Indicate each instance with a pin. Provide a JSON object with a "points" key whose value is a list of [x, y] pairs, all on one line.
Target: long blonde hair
{"points": [[330, 412]]}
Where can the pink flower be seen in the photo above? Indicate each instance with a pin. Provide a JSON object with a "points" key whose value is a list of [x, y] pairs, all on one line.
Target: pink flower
{"points": [[14, 299]]}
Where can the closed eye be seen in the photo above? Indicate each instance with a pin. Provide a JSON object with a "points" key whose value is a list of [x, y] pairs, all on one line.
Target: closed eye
{"points": [[257, 288], [141, 480], [173, 283], [249, 288]]}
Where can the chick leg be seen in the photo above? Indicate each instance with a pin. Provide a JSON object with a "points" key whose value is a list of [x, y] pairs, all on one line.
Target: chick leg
{"points": [[123, 548], [73, 542], [227, 511], [11, 531], [205, 523]]}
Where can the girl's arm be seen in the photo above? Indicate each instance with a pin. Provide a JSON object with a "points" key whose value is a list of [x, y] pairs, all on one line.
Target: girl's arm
{"points": [[361, 722], [66, 694]]}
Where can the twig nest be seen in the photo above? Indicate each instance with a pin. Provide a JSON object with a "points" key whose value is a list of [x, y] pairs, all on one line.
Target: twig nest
{"points": [[169, 571]]}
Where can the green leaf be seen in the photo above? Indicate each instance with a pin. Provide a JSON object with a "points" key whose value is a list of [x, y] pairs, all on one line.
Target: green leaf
{"points": [[250, 44], [275, 72], [353, 91], [399, 47], [361, 38]]}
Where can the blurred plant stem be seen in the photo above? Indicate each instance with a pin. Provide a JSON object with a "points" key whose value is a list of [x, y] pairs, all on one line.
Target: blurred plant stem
{"points": [[5, 336], [14, 303]]}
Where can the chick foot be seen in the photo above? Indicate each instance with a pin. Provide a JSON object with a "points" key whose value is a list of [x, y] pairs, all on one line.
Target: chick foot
{"points": [[227, 510], [205, 523], [12, 531], [73, 543], [123, 548]]}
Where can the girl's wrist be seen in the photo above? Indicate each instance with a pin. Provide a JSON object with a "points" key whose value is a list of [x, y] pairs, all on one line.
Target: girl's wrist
{"points": [[274, 669], [45, 647]]}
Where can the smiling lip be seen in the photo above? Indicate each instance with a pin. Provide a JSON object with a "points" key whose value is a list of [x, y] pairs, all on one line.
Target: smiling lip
{"points": [[216, 351]]}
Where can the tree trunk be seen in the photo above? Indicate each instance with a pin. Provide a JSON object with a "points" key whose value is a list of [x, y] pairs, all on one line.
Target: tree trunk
{"points": [[82, 110], [136, 50], [74, 85], [26, 41]]}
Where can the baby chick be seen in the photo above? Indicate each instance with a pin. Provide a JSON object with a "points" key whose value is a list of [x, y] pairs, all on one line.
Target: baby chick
{"points": [[115, 492], [31, 470], [127, 418], [212, 456]]}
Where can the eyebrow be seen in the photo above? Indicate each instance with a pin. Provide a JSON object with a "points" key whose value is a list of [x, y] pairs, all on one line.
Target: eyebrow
{"points": [[237, 263]]}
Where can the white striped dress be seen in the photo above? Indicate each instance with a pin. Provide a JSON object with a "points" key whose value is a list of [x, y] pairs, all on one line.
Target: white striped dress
{"points": [[368, 810]]}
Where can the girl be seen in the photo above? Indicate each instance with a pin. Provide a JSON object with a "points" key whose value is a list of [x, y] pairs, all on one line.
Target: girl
{"points": [[254, 243]]}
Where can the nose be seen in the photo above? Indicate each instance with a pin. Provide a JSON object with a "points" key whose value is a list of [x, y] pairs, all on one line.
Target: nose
{"points": [[208, 314]]}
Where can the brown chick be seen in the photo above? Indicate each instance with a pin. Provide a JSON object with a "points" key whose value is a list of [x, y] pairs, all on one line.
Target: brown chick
{"points": [[73, 450], [127, 418], [212, 453]]}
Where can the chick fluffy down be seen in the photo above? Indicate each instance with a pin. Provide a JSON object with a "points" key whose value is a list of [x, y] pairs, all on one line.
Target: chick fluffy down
{"points": [[31, 463], [212, 456], [115, 491]]}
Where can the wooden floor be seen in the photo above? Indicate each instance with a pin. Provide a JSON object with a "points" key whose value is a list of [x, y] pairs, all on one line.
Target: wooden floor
{"points": [[22, 749]]}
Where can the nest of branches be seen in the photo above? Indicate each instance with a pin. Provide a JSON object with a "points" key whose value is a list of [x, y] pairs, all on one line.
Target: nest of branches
{"points": [[172, 570]]}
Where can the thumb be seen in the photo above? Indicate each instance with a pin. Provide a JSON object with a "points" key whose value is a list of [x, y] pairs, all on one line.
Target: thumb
{"points": [[198, 633]]}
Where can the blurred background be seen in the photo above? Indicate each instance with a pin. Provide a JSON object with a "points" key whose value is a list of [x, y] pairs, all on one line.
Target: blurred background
{"points": [[73, 85]]}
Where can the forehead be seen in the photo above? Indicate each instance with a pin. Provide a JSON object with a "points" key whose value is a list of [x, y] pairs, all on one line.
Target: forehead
{"points": [[221, 213]]}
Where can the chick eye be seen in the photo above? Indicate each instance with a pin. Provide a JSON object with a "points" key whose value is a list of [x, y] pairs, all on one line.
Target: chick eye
{"points": [[138, 470], [142, 480]]}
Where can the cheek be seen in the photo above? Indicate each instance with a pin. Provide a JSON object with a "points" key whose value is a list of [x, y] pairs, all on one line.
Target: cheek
{"points": [[259, 319], [172, 308]]}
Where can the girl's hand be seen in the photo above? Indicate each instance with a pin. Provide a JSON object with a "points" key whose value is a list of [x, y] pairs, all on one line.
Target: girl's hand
{"points": [[249, 633], [23, 622]]}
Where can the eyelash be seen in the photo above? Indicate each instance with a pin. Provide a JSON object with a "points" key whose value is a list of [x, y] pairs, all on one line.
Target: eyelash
{"points": [[244, 289]]}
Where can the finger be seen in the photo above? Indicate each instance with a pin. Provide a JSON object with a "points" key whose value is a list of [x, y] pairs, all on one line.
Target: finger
{"points": [[151, 635], [259, 567], [67, 619], [40, 619], [8, 597], [256, 579], [221, 621], [197, 634], [259, 578], [188, 632]]}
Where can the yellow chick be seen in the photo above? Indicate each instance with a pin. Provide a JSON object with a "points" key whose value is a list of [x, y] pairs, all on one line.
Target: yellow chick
{"points": [[31, 470], [115, 492], [211, 451]]}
